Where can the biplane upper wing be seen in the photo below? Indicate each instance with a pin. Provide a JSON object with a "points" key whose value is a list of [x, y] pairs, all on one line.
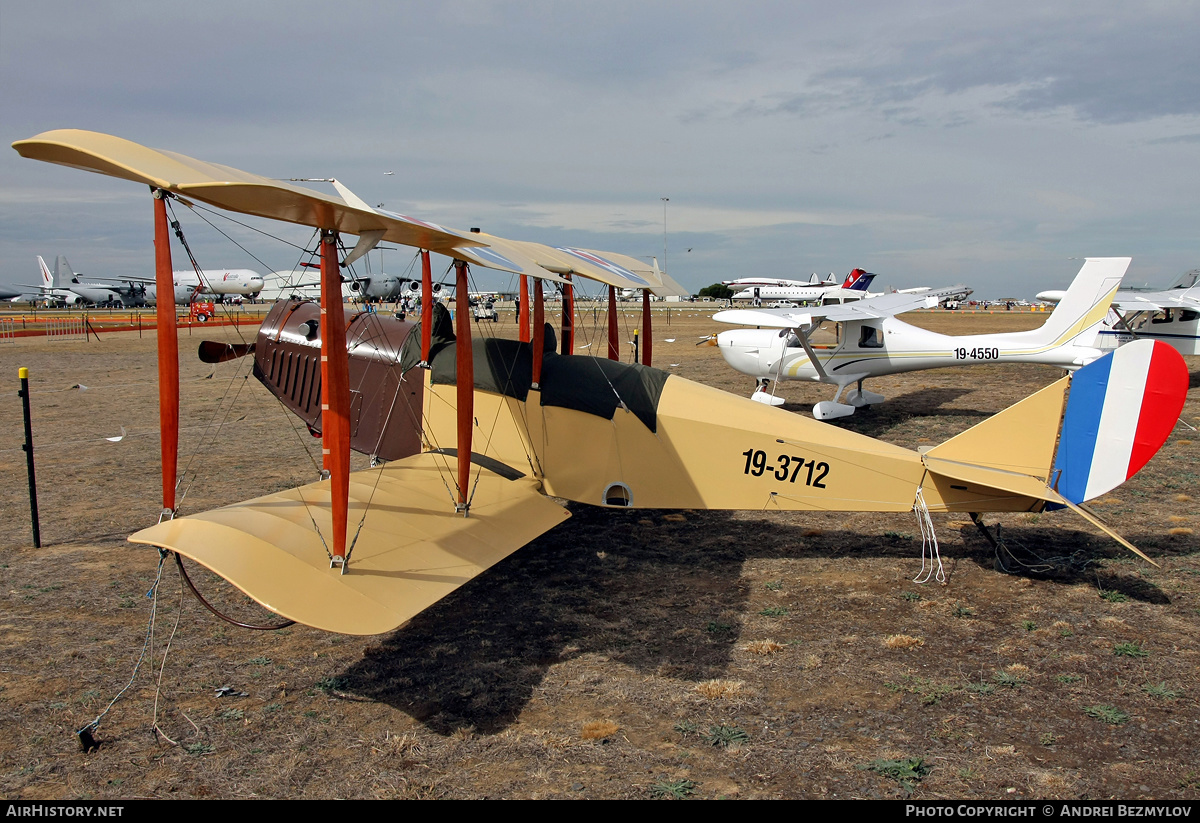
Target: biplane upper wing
{"points": [[871, 308], [662, 284], [412, 548], [246, 193]]}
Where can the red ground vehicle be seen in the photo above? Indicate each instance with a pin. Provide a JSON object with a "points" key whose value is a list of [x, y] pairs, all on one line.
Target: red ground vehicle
{"points": [[202, 311]]}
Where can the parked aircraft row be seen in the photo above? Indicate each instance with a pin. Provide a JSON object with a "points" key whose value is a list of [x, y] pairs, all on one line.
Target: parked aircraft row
{"points": [[792, 293], [65, 287]]}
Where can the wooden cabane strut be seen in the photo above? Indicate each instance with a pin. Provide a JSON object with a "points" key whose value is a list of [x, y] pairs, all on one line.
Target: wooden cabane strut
{"points": [[465, 377], [567, 346], [539, 333], [523, 310], [647, 330], [614, 349], [426, 307]]}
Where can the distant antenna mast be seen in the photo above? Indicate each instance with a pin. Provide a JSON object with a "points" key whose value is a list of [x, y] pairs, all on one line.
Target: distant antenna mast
{"points": [[665, 200]]}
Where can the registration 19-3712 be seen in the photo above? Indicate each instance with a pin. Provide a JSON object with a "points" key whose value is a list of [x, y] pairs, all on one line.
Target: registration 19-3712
{"points": [[788, 467]]}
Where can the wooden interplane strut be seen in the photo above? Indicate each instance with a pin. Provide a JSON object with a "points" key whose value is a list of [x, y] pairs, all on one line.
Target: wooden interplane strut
{"points": [[168, 352], [335, 393]]}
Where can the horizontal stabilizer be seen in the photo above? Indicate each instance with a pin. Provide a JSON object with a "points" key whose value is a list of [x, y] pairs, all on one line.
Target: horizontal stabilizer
{"points": [[1019, 439], [412, 549]]}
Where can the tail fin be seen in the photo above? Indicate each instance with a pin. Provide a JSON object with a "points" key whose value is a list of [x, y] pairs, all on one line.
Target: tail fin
{"points": [[1078, 316], [1120, 410], [47, 279], [63, 274], [858, 280]]}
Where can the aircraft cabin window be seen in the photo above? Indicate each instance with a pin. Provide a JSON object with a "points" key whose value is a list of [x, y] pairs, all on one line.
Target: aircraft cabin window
{"points": [[868, 338], [1165, 316], [1187, 315]]}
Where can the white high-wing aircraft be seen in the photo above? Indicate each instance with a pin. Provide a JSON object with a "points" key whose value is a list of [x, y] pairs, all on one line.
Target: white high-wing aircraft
{"points": [[1172, 316], [871, 342]]}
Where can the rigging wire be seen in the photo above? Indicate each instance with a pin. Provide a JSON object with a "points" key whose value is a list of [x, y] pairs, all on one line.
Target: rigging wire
{"points": [[929, 543], [162, 669], [84, 734], [198, 207]]}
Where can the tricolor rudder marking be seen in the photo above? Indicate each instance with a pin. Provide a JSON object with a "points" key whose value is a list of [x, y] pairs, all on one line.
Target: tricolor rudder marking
{"points": [[1120, 411]]}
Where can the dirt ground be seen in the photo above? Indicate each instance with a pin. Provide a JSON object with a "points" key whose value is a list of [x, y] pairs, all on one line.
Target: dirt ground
{"points": [[622, 655]]}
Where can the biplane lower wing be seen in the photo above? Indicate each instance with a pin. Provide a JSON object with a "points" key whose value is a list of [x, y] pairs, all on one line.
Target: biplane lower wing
{"points": [[412, 549]]}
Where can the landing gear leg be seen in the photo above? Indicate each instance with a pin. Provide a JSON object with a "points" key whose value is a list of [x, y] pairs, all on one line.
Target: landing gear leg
{"points": [[761, 395]]}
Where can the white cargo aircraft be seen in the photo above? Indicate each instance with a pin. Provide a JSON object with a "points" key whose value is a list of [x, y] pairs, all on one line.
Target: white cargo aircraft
{"points": [[58, 290], [871, 342]]}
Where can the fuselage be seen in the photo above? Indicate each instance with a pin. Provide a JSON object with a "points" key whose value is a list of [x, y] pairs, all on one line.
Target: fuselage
{"points": [[885, 346], [220, 282]]}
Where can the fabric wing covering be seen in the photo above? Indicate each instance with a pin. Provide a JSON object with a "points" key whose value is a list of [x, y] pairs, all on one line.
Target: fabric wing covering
{"points": [[413, 549]]}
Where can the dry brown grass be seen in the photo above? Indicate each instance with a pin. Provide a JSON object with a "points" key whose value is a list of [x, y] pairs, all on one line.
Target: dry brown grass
{"points": [[764, 647], [599, 730], [903, 641], [1180, 531], [717, 688]]}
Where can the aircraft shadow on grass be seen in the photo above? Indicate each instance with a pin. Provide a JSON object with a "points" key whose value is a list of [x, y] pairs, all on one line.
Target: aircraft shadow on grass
{"points": [[875, 421], [658, 595]]}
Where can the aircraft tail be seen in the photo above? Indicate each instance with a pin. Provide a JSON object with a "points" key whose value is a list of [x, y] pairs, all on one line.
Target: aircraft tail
{"points": [[1119, 411], [1078, 315], [63, 275], [858, 280], [47, 278]]}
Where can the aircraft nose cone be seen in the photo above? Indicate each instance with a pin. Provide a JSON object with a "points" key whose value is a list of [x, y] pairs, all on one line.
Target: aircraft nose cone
{"points": [[737, 353]]}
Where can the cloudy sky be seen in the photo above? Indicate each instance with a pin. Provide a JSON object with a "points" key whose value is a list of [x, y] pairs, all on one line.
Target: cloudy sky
{"points": [[929, 142]]}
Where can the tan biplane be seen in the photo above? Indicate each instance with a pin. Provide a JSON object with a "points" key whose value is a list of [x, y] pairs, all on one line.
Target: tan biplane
{"points": [[477, 445]]}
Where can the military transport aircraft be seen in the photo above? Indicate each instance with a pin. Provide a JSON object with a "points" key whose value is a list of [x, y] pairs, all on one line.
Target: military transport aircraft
{"points": [[481, 434]]}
